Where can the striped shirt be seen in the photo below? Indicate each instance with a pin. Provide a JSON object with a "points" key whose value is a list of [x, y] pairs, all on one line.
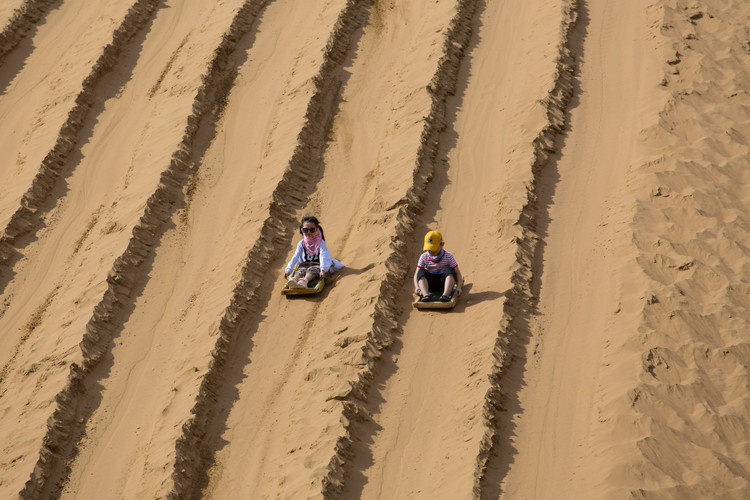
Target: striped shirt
{"points": [[438, 263]]}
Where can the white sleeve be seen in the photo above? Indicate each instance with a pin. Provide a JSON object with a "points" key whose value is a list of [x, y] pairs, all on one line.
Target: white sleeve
{"points": [[335, 266], [325, 257], [296, 258]]}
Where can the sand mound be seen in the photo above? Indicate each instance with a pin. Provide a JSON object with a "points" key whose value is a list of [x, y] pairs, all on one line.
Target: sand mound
{"points": [[584, 161]]}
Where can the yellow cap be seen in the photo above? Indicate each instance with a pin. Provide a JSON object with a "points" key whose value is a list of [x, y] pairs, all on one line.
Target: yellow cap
{"points": [[432, 241]]}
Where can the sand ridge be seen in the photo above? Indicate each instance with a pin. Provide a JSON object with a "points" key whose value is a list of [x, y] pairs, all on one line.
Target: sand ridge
{"points": [[138, 353], [17, 17], [585, 223], [58, 108], [57, 354], [160, 154], [273, 237], [334, 359]]}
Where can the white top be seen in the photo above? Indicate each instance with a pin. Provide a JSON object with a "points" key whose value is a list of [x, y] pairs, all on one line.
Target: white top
{"points": [[327, 263]]}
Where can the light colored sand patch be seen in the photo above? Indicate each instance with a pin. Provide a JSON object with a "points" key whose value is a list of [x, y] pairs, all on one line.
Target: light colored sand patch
{"points": [[562, 433]]}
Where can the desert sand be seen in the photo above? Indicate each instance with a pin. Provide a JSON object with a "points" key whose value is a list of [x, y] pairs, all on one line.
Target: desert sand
{"points": [[585, 160]]}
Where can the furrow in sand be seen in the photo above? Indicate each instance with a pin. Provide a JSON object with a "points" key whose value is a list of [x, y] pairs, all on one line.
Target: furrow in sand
{"points": [[386, 324], [273, 219], [427, 400], [46, 189], [600, 349], [175, 319], [103, 46], [519, 303], [126, 140], [280, 436], [564, 436], [691, 355], [17, 18], [350, 461], [204, 94], [172, 325], [40, 119]]}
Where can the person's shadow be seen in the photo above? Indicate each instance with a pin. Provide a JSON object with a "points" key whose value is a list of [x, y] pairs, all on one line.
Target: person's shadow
{"points": [[468, 299], [347, 271]]}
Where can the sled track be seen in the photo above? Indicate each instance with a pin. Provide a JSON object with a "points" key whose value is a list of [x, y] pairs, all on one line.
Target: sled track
{"points": [[23, 20], [26, 219], [193, 456], [68, 420], [686, 395], [385, 319], [520, 299]]}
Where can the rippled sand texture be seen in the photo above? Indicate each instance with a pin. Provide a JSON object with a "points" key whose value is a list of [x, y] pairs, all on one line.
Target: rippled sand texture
{"points": [[586, 162]]}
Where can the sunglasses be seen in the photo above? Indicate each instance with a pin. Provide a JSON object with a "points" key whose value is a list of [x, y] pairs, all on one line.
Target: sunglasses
{"points": [[309, 230]]}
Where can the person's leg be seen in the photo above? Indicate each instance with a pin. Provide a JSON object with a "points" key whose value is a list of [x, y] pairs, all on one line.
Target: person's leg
{"points": [[424, 287], [423, 282], [295, 277], [311, 275], [306, 279], [450, 280]]}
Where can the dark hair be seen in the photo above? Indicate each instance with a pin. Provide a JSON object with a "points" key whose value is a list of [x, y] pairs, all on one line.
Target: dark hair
{"points": [[314, 220]]}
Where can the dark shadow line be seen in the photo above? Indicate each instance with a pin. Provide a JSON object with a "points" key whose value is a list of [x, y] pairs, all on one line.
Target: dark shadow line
{"points": [[18, 38], [225, 388], [503, 453], [361, 448], [92, 388]]}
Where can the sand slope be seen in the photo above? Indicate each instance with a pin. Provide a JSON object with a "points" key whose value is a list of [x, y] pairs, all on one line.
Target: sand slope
{"points": [[585, 257], [584, 159]]}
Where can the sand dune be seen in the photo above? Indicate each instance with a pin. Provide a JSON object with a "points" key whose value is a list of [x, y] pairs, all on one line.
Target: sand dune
{"points": [[585, 160]]}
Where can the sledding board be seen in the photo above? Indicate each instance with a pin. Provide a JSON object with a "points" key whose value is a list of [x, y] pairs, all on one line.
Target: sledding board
{"points": [[437, 304], [310, 290]]}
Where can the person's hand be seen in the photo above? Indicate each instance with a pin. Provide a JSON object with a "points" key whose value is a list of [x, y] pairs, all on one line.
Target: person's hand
{"points": [[417, 291], [458, 291]]}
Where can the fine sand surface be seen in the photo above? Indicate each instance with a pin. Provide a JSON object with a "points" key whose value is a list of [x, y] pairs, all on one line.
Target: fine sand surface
{"points": [[585, 160], [585, 245]]}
